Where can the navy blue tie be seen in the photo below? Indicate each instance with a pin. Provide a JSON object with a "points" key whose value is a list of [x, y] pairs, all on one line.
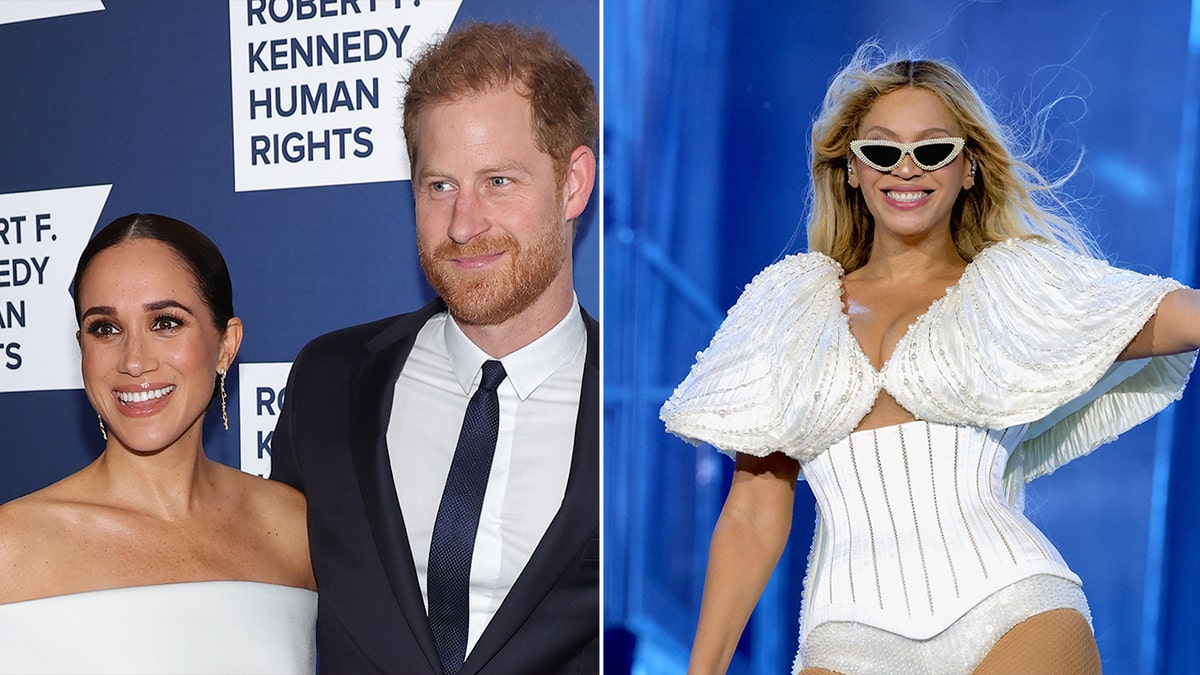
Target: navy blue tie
{"points": [[449, 575]]}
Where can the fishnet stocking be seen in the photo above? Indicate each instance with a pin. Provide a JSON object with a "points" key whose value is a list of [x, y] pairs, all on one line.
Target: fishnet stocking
{"points": [[1058, 642]]}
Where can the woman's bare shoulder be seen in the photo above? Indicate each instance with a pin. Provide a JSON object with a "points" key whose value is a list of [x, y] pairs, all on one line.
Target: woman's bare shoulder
{"points": [[34, 532], [36, 512], [15, 517], [267, 497], [276, 517]]}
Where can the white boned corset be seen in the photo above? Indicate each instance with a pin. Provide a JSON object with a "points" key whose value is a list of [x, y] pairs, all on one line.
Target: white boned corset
{"points": [[913, 528]]}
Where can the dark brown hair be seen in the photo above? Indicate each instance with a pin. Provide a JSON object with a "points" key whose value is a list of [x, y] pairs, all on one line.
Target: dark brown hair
{"points": [[195, 250]]}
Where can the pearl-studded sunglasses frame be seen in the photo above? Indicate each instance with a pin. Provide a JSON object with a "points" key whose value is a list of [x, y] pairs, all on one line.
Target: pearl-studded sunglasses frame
{"points": [[930, 154]]}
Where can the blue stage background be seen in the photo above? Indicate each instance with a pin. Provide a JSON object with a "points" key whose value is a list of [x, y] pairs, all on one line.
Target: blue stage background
{"points": [[139, 96], [708, 111]]}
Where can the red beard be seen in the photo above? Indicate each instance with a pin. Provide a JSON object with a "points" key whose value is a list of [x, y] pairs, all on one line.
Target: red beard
{"points": [[493, 296]]}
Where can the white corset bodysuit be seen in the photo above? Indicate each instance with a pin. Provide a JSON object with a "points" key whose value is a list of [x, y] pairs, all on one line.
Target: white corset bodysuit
{"points": [[914, 528], [1011, 375]]}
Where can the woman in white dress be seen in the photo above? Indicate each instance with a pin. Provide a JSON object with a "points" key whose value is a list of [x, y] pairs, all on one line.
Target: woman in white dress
{"points": [[948, 337], [153, 558]]}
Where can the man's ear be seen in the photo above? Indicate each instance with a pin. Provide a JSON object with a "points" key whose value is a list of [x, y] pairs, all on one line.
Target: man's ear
{"points": [[581, 178]]}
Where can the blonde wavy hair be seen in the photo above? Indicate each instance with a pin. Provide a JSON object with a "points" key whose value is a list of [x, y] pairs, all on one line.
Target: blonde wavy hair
{"points": [[1010, 197]]}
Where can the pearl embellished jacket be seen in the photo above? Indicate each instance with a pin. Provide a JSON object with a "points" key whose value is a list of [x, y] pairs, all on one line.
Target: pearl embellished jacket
{"points": [[1028, 335]]}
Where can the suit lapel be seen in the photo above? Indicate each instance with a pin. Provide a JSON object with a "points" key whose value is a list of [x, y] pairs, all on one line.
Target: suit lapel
{"points": [[371, 405], [567, 531]]}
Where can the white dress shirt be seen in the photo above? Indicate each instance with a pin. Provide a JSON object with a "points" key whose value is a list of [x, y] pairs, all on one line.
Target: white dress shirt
{"points": [[539, 403]]}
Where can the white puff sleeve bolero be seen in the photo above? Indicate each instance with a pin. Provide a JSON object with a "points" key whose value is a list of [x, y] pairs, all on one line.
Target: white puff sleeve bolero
{"points": [[1028, 335]]}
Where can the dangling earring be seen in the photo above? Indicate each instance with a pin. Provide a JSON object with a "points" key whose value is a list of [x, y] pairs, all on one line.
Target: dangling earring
{"points": [[103, 431], [849, 172], [224, 412]]}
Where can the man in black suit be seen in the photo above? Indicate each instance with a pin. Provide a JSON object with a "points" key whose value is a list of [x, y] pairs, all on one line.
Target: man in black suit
{"points": [[437, 552]]}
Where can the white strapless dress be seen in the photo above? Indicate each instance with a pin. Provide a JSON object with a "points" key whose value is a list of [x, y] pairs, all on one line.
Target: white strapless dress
{"points": [[195, 627]]}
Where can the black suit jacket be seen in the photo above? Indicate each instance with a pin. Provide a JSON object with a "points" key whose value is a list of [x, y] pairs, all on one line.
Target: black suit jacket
{"points": [[330, 443]]}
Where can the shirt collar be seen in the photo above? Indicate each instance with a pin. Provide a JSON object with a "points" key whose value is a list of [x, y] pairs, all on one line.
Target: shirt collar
{"points": [[528, 367]]}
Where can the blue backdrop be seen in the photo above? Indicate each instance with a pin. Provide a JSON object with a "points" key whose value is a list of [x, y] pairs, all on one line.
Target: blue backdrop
{"points": [[140, 96], [708, 110]]}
